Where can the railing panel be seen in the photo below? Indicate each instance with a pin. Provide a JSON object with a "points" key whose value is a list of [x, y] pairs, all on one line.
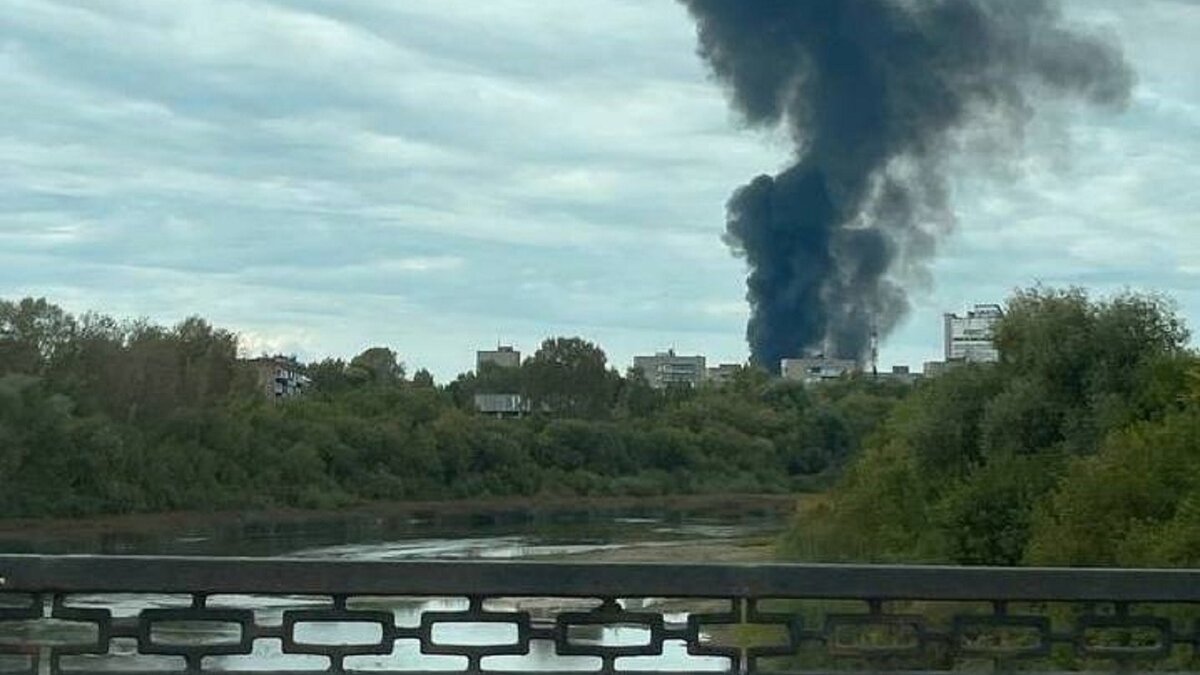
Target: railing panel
{"points": [[73, 614]]}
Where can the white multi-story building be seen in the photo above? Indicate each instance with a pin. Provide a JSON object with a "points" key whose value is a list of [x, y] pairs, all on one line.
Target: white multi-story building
{"points": [[971, 338], [666, 369]]}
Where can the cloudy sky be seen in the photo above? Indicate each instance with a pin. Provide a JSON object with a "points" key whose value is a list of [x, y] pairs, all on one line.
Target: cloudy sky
{"points": [[438, 175]]}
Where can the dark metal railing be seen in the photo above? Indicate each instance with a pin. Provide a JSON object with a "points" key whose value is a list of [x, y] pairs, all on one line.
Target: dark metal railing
{"points": [[125, 614]]}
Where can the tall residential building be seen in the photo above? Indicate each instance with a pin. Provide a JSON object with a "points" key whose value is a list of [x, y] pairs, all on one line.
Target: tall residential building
{"points": [[971, 338], [503, 356], [665, 369]]}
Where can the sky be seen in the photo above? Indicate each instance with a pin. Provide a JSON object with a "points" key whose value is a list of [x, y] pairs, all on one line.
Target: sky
{"points": [[439, 176]]}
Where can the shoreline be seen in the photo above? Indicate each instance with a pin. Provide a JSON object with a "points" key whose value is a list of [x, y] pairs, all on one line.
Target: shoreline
{"points": [[736, 550], [481, 511]]}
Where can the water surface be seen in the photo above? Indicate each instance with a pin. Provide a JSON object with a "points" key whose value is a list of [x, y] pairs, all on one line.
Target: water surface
{"points": [[379, 539]]}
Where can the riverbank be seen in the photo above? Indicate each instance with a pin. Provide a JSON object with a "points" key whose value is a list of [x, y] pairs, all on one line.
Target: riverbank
{"points": [[736, 550], [32, 533]]}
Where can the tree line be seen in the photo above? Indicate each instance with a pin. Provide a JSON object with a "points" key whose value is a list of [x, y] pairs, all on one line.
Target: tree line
{"points": [[1081, 446], [99, 415]]}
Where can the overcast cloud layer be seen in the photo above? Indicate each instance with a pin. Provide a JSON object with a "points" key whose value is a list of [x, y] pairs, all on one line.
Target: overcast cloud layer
{"points": [[435, 176]]}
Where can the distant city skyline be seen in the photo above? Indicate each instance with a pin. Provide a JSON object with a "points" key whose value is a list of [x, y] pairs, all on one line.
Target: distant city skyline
{"points": [[440, 177]]}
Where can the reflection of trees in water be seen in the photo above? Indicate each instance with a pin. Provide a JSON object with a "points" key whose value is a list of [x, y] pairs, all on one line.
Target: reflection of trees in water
{"points": [[267, 653]]}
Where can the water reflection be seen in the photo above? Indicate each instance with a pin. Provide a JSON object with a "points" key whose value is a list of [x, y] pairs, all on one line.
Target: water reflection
{"points": [[372, 543], [406, 655], [484, 548]]}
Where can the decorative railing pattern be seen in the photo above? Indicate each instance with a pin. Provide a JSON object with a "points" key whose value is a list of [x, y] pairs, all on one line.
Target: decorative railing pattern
{"points": [[132, 614]]}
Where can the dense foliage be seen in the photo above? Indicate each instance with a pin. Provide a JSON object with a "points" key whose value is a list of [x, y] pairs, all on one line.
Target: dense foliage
{"points": [[101, 416], [1082, 446]]}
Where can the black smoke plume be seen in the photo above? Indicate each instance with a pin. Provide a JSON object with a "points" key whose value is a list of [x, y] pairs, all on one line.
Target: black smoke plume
{"points": [[873, 93]]}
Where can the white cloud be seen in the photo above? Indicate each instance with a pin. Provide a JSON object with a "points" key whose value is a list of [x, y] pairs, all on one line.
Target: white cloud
{"points": [[322, 176]]}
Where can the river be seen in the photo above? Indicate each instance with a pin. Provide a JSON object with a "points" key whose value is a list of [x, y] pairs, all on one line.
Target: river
{"points": [[606, 537]]}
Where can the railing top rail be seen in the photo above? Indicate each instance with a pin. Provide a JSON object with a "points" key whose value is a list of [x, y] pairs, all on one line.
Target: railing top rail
{"points": [[149, 574]]}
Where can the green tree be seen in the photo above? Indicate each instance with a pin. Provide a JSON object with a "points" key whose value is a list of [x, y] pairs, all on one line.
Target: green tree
{"points": [[1085, 412], [636, 397], [941, 421], [33, 334], [376, 365], [119, 416], [496, 379], [1087, 358], [881, 511], [423, 378], [985, 519], [207, 360], [1133, 503], [329, 376], [569, 376]]}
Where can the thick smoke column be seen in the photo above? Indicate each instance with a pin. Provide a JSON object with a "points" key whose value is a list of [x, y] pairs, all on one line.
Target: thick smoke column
{"points": [[872, 93]]}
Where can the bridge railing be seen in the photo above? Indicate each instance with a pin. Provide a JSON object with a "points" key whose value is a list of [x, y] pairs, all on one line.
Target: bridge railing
{"points": [[62, 614]]}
